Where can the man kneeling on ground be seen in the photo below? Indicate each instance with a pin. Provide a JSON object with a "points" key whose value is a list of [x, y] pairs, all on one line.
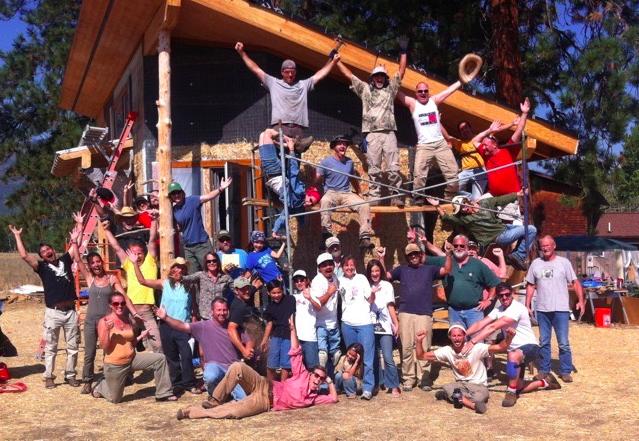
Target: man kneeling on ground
{"points": [[298, 391], [470, 386], [523, 349]]}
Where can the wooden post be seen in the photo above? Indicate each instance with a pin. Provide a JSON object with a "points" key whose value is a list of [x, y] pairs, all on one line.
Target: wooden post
{"points": [[165, 231]]}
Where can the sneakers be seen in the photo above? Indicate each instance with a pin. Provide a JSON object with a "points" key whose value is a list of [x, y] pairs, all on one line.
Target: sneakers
{"points": [[49, 383], [302, 144], [480, 407], [86, 389], [553, 384], [426, 387], [441, 395], [366, 395], [407, 388], [72, 381], [509, 400], [566, 378]]}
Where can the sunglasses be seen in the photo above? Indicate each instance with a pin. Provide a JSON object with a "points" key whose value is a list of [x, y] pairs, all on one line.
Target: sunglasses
{"points": [[225, 239], [116, 304], [322, 377], [504, 295], [299, 279], [459, 246], [424, 91], [208, 262]]}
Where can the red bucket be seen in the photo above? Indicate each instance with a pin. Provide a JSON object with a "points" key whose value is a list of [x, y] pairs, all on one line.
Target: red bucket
{"points": [[4, 373], [603, 317]]}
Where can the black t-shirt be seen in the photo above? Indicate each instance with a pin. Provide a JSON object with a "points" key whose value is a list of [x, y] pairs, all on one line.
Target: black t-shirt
{"points": [[240, 312], [57, 280], [279, 313], [416, 288]]}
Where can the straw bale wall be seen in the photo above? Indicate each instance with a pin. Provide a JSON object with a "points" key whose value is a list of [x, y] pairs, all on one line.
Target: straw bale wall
{"points": [[390, 228]]}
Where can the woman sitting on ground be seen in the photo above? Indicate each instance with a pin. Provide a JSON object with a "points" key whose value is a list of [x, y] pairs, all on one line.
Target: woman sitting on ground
{"points": [[348, 372], [116, 336]]}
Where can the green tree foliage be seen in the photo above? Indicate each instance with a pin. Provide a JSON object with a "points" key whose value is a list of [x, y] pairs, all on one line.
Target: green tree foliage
{"points": [[32, 127]]}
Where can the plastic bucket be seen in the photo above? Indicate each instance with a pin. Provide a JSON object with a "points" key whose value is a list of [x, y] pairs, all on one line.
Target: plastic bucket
{"points": [[602, 317]]}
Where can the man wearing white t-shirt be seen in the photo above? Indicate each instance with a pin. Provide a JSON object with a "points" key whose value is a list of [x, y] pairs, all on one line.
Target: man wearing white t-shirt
{"points": [[324, 290], [470, 387], [305, 310], [522, 350], [431, 145]]}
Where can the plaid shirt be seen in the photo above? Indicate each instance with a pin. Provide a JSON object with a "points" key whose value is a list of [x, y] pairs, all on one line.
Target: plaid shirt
{"points": [[209, 289]]}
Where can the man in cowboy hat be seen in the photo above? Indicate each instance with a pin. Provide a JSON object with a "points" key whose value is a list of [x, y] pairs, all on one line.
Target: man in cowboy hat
{"points": [[479, 219], [334, 170], [378, 121]]}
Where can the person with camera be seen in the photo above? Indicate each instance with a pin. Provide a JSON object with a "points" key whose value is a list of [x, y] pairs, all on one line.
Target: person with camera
{"points": [[470, 387]]}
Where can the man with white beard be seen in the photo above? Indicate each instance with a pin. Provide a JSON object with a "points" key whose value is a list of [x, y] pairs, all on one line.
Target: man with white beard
{"points": [[470, 286]]}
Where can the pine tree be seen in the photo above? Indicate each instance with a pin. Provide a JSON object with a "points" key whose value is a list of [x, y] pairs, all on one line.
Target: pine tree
{"points": [[32, 127]]}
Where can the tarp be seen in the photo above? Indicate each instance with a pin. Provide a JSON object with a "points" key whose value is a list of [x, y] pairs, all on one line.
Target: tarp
{"points": [[591, 243]]}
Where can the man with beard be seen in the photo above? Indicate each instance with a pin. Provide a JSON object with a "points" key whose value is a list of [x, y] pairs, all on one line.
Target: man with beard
{"points": [[470, 286], [334, 248], [59, 298], [431, 145], [233, 260], [378, 122], [470, 387]]}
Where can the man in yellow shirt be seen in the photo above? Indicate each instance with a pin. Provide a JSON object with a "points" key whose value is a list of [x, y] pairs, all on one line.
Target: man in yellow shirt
{"points": [[141, 296]]}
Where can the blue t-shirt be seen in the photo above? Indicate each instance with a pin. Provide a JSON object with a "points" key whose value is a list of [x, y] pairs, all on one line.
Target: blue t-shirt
{"points": [[177, 301], [264, 263], [336, 181], [416, 288], [242, 257], [189, 217]]}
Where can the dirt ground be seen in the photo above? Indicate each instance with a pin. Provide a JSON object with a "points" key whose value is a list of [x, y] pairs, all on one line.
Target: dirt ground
{"points": [[600, 404]]}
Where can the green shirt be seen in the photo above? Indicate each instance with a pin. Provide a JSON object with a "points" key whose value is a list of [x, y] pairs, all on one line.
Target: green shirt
{"points": [[465, 285], [484, 225]]}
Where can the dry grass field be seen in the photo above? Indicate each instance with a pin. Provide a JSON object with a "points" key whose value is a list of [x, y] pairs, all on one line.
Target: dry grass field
{"points": [[600, 404], [14, 272]]}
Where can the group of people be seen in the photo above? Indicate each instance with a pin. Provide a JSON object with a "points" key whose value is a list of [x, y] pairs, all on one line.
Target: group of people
{"points": [[333, 331], [487, 183]]}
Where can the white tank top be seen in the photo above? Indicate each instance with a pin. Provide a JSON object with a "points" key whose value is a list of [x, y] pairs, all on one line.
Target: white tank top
{"points": [[426, 119]]}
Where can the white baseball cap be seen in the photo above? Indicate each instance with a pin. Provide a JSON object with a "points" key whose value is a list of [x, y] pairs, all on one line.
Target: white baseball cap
{"points": [[324, 257]]}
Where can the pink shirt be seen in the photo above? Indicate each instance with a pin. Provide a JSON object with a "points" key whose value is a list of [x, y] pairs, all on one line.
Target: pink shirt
{"points": [[293, 393]]}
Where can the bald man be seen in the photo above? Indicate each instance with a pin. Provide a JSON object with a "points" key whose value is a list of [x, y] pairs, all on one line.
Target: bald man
{"points": [[550, 275], [431, 145]]}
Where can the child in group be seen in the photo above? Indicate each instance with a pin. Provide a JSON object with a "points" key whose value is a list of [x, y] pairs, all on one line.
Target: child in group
{"points": [[263, 259], [349, 371], [277, 339]]}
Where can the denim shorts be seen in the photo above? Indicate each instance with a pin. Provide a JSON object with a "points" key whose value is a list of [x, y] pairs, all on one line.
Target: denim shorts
{"points": [[278, 353], [530, 351]]}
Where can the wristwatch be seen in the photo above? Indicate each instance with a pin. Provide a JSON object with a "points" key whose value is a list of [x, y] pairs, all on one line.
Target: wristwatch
{"points": [[329, 380]]}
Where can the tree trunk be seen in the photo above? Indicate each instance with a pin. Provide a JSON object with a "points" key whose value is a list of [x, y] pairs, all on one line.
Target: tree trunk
{"points": [[163, 103], [505, 48]]}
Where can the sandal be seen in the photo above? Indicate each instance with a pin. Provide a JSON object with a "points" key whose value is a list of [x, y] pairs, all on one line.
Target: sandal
{"points": [[195, 391], [13, 387], [169, 398]]}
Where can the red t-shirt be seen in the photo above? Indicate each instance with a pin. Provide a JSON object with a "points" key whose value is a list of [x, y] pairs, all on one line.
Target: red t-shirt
{"points": [[505, 180]]}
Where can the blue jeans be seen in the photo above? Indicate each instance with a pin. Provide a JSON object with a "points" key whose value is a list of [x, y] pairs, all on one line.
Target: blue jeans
{"points": [[364, 335], [390, 376], [464, 317], [278, 353], [514, 233], [477, 182], [558, 321], [328, 341], [310, 354], [348, 386], [213, 374]]}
